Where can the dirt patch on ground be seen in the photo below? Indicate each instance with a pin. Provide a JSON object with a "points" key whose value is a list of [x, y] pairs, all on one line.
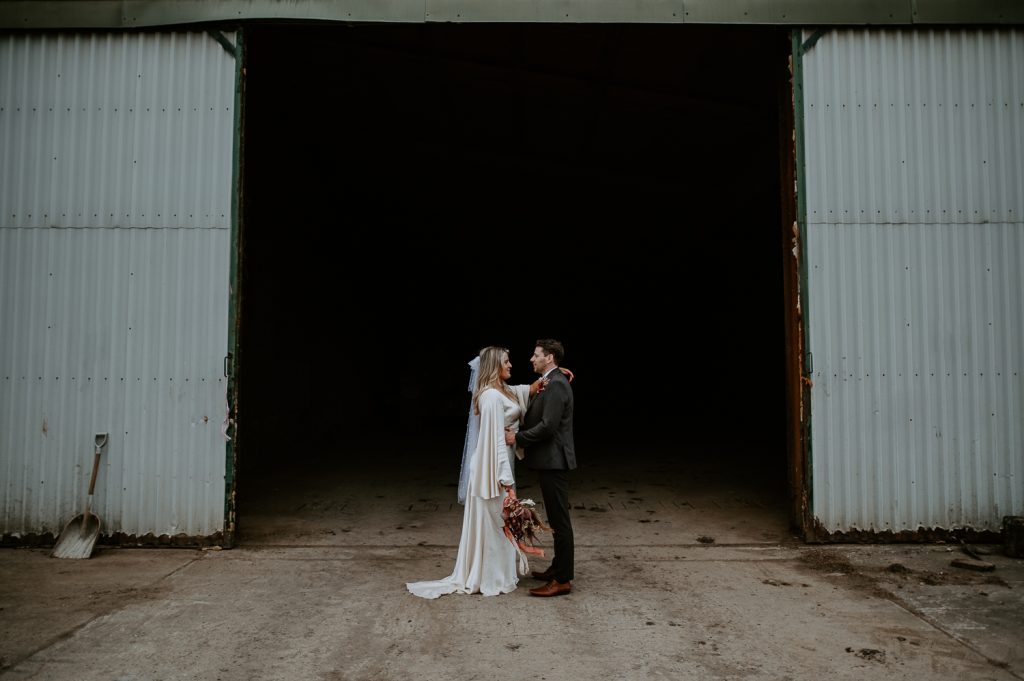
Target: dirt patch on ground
{"points": [[827, 560], [897, 573], [833, 564], [880, 580]]}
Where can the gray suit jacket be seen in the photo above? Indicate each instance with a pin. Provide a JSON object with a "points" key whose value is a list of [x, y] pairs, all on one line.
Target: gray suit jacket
{"points": [[546, 435]]}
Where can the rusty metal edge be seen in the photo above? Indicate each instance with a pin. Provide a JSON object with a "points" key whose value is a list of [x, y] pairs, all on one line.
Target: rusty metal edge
{"points": [[790, 285], [922, 535], [797, 361], [120, 539]]}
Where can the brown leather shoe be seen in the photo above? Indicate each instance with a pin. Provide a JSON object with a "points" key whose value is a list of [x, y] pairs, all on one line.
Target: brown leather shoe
{"points": [[552, 588], [545, 576]]}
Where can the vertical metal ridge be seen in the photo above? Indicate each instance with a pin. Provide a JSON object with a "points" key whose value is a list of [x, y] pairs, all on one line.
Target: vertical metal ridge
{"points": [[116, 130], [915, 239], [115, 259], [949, 96]]}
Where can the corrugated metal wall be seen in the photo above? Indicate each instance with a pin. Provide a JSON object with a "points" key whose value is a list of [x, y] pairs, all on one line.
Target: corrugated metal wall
{"points": [[915, 227], [115, 196]]}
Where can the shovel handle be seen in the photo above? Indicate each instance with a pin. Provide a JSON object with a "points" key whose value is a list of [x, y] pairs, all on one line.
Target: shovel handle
{"points": [[95, 469]]}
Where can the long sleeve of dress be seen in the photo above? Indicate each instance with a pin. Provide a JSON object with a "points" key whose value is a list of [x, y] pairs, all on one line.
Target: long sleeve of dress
{"points": [[505, 476], [490, 460], [522, 393]]}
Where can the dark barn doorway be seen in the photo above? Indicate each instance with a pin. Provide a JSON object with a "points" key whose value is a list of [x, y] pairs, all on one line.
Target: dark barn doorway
{"points": [[415, 192]]}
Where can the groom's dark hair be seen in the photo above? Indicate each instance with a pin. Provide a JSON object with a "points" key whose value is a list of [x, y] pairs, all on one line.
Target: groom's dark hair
{"points": [[552, 347]]}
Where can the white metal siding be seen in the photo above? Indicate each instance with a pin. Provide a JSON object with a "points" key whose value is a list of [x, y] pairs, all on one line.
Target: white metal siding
{"points": [[915, 211], [114, 311], [115, 130]]}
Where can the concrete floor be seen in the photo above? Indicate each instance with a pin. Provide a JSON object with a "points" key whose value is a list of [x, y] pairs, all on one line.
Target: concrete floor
{"points": [[646, 498], [679, 576]]}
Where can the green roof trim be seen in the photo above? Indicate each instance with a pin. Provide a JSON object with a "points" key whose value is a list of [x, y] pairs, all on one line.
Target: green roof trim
{"points": [[43, 14]]}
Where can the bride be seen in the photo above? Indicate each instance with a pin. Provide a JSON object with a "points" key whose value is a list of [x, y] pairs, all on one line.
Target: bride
{"points": [[486, 562]]}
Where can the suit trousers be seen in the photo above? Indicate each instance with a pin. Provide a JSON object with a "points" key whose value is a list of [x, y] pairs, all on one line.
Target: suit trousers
{"points": [[554, 485]]}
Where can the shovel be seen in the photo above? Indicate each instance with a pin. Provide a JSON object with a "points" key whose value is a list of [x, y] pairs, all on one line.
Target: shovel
{"points": [[79, 535]]}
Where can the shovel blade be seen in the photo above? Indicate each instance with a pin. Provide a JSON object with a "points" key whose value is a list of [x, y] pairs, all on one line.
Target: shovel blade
{"points": [[78, 538]]}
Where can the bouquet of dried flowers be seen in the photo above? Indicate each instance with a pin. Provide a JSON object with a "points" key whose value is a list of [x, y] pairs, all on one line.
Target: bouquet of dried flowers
{"points": [[522, 524]]}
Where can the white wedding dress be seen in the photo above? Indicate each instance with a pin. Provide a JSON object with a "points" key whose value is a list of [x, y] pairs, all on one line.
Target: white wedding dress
{"points": [[486, 562]]}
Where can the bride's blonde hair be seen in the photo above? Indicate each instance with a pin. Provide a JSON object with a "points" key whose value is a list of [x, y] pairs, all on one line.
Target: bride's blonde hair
{"points": [[489, 374]]}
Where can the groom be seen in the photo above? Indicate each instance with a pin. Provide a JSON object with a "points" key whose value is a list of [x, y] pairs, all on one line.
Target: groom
{"points": [[546, 436]]}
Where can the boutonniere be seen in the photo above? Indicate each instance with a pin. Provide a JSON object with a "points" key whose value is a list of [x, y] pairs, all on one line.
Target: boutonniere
{"points": [[543, 385]]}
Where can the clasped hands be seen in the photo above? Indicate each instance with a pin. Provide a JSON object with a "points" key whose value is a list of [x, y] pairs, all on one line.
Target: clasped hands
{"points": [[510, 436]]}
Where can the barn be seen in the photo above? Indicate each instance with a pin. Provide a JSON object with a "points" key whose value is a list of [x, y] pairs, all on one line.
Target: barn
{"points": [[254, 244]]}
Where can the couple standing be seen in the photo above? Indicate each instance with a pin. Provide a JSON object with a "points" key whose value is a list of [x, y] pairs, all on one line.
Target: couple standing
{"points": [[486, 561]]}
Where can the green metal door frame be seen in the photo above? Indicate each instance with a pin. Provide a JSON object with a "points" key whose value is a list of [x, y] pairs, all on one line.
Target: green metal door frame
{"points": [[800, 365], [798, 360], [231, 362]]}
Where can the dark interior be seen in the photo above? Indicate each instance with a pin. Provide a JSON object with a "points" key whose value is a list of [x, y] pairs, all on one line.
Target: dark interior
{"points": [[413, 193]]}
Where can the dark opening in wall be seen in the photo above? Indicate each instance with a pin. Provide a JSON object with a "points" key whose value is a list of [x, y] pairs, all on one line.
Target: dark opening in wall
{"points": [[415, 192]]}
